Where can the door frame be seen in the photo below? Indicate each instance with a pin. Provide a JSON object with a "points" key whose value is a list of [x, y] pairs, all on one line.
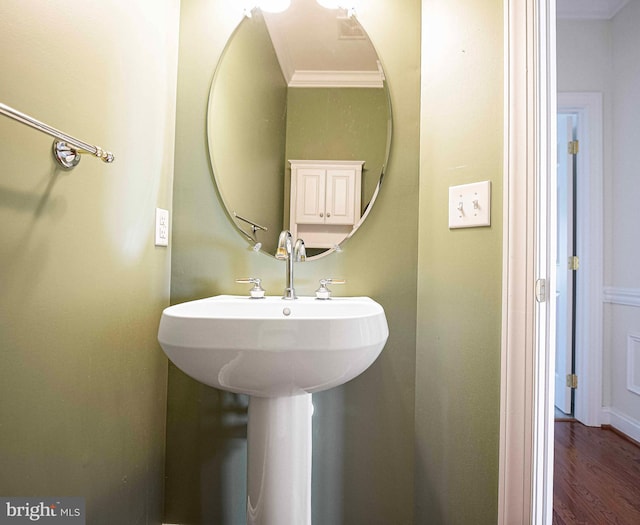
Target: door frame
{"points": [[525, 489], [589, 237], [525, 486]]}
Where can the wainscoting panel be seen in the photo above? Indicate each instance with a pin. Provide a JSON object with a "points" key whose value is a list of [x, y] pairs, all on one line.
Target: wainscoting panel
{"points": [[633, 363], [625, 326]]}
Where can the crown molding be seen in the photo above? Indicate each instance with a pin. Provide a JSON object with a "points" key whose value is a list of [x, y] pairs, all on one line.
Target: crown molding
{"points": [[337, 79]]}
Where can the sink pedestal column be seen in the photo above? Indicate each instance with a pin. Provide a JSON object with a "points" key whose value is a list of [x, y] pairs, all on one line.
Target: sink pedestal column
{"points": [[279, 460]]}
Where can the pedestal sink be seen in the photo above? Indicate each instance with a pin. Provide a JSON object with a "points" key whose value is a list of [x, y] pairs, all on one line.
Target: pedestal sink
{"points": [[278, 352]]}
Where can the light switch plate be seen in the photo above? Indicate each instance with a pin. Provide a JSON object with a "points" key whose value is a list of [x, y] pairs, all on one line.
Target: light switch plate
{"points": [[162, 227], [470, 205]]}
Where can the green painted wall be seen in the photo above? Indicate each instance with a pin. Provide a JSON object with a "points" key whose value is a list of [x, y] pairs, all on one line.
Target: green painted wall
{"points": [[364, 431], [82, 380], [247, 138], [459, 271], [339, 124]]}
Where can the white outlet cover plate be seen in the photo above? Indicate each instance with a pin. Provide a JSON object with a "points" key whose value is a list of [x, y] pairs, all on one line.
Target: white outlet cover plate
{"points": [[162, 227], [470, 205]]}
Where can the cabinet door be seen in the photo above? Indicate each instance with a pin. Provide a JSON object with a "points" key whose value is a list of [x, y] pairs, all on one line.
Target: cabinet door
{"points": [[340, 199], [310, 198]]}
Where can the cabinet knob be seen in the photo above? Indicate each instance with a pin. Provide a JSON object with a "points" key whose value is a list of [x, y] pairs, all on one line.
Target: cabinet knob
{"points": [[328, 215], [321, 214]]}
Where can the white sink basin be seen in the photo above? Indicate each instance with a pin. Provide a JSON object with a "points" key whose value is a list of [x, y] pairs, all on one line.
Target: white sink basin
{"points": [[273, 347], [279, 352]]}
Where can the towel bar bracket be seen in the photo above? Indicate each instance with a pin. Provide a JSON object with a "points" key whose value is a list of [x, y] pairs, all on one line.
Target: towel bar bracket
{"points": [[65, 155], [68, 157]]}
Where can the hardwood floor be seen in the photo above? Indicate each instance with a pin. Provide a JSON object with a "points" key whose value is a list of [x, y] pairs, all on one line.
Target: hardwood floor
{"points": [[596, 477]]}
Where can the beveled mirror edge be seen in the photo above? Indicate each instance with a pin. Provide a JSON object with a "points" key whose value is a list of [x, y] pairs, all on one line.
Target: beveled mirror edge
{"points": [[252, 242]]}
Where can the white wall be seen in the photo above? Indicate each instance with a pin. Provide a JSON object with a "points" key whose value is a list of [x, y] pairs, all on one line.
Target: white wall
{"points": [[604, 56], [623, 271]]}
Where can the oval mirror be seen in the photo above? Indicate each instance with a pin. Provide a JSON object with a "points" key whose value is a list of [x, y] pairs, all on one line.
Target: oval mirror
{"points": [[299, 126]]}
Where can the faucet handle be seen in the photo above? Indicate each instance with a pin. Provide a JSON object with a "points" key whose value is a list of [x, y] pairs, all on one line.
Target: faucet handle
{"points": [[257, 292], [323, 292]]}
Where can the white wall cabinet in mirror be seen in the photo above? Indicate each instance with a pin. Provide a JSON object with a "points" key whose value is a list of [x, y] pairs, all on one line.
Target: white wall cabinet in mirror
{"points": [[325, 200], [306, 83]]}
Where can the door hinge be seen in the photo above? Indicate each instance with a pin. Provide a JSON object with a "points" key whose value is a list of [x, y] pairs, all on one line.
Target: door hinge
{"points": [[541, 290], [574, 147], [574, 263], [572, 381]]}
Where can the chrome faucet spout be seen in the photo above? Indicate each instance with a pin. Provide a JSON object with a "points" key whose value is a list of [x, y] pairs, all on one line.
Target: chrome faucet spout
{"points": [[299, 251], [289, 253], [284, 252]]}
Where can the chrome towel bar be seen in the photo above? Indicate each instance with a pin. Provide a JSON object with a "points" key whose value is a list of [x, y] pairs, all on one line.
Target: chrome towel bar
{"points": [[254, 226], [66, 149]]}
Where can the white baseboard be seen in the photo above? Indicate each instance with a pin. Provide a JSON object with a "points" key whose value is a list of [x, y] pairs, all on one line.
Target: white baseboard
{"points": [[621, 422]]}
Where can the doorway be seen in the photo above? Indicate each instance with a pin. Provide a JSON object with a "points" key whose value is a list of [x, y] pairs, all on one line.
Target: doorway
{"points": [[579, 234], [567, 264]]}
